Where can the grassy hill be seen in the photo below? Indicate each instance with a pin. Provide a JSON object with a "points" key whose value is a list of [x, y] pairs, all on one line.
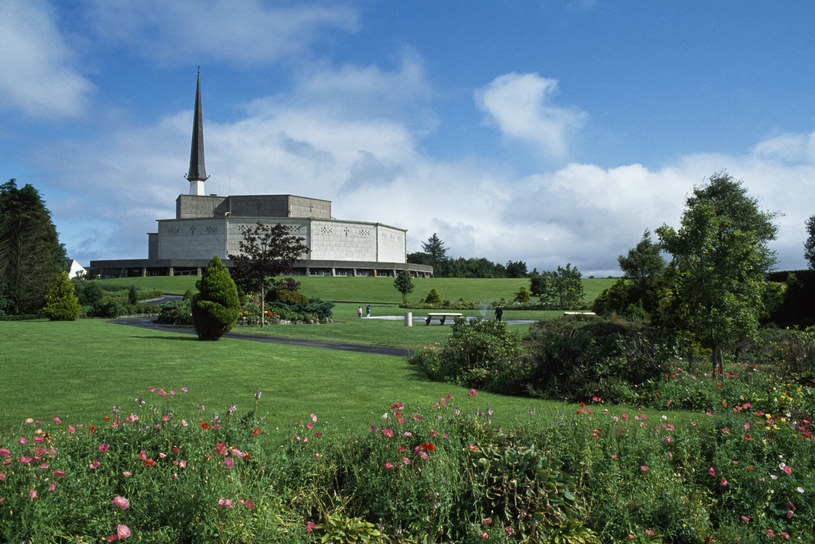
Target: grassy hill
{"points": [[378, 290]]}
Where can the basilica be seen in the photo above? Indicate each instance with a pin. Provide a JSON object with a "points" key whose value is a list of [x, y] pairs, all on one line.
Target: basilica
{"points": [[209, 224]]}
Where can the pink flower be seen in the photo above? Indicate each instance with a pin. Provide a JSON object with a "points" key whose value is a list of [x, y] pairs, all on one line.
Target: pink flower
{"points": [[745, 519], [121, 502], [103, 448], [388, 433], [472, 393], [184, 389], [711, 471], [229, 462], [405, 460], [770, 533], [310, 525], [33, 494], [644, 468], [388, 465], [223, 501], [785, 534], [127, 474], [162, 392], [57, 420], [313, 418], [52, 487], [624, 416], [123, 531], [23, 440], [473, 447], [4, 452], [649, 532], [93, 464], [417, 417], [485, 536], [143, 455], [723, 483], [249, 504]]}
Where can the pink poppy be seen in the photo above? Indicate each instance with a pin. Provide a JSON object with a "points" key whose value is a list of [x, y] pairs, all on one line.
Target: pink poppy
{"points": [[121, 502], [123, 531], [388, 465], [472, 393]]}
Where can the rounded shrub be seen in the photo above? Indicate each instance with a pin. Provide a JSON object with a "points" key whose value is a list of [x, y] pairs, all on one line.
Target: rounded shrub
{"points": [[216, 307], [433, 297], [61, 303]]}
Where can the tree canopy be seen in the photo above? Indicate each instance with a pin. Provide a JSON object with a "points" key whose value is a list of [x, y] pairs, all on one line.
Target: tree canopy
{"points": [[31, 256], [720, 259], [809, 244], [266, 251]]}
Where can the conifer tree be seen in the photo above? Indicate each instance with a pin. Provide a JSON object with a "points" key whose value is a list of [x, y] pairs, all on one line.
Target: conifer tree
{"points": [[215, 307], [61, 302], [31, 256]]}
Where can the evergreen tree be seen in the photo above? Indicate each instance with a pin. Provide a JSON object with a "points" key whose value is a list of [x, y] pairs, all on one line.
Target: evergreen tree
{"points": [[403, 284], [215, 307], [31, 256], [61, 303]]}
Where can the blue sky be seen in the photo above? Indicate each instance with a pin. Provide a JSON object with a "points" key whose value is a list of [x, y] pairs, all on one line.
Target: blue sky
{"points": [[546, 131]]}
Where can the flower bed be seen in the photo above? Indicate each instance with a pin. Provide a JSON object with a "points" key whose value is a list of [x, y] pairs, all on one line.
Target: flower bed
{"points": [[417, 474]]}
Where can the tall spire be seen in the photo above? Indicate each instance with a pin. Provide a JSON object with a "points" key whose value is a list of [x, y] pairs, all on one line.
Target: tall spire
{"points": [[197, 174]]}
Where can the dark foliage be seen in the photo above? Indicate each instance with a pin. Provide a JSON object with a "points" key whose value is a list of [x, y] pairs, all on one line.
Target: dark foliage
{"points": [[31, 257], [215, 308]]}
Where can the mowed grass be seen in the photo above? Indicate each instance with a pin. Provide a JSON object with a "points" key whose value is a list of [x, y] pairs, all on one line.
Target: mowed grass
{"points": [[380, 289], [78, 370]]}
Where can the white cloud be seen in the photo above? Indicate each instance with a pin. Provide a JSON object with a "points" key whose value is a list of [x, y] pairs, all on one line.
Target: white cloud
{"points": [[173, 32], [520, 106], [39, 76]]}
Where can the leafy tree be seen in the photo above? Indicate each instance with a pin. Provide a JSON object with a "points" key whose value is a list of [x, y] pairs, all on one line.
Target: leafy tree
{"points": [[561, 288], [266, 251], [31, 256], [61, 302], [809, 245], [215, 307], [720, 260], [643, 262], [516, 269], [636, 295], [403, 284], [522, 296]]}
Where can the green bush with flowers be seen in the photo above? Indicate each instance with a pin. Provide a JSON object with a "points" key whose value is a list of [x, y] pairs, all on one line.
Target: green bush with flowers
{"points": [[153, 472]]}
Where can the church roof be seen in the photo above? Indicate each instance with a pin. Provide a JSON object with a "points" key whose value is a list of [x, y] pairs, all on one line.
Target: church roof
{"points": [[198, 171]]}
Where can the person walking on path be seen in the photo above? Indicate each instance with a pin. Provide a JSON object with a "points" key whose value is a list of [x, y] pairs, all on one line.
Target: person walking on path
{"points": [[368, 311], [359, 312], [499, 312]]}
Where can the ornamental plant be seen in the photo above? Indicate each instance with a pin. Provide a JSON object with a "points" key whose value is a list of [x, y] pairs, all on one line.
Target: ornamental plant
{"points": [[216, 306], [61, 302]]}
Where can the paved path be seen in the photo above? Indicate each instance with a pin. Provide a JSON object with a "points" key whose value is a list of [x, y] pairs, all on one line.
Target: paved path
{"points": [[148, 323]]}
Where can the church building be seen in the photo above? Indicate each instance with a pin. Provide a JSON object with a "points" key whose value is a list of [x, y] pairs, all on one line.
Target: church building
{"points": [[207, 225]]}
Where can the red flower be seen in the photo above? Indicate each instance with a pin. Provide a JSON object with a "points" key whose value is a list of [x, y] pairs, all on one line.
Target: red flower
{"points": [[205, 426], [428, 446], [256, 431], [149, 463]]}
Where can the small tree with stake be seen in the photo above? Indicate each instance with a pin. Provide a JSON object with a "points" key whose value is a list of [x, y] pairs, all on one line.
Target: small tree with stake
{"points": [[265, 251]]}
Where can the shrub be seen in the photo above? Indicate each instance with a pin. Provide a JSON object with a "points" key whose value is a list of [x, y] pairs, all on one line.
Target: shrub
{"points": [[88, 292], [433, 297], [575, 358], [482, 354], [522, 297], [176, 312], [215, 308], [61, 302]]}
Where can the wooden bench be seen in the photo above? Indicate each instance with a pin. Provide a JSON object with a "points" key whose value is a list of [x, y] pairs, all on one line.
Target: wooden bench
{"points": [[442, 316]]}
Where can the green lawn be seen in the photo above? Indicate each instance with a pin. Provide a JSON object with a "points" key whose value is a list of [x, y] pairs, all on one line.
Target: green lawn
{"points": [[78, 370], [378, 290]]}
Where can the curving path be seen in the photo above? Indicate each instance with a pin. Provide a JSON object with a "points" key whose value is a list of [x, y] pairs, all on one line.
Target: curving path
{"points": [[148, 323]]}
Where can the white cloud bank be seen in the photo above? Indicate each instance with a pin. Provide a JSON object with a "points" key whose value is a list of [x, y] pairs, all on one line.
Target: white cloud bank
{"points": [[373, 169]]}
